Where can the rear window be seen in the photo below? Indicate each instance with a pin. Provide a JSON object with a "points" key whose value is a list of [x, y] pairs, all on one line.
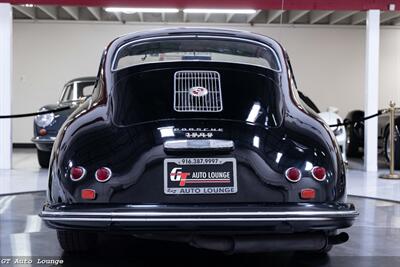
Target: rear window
{"points": [[196, 49]]}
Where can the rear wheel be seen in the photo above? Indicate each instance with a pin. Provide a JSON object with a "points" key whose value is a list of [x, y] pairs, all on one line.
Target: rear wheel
{"points": [[75, 241], [325, 250], [353, 137], [43, 158], [396, 150], [355, 134]]}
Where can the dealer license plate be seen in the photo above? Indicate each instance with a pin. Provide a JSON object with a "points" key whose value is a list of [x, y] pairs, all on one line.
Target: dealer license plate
{"points": [[200, 176]]}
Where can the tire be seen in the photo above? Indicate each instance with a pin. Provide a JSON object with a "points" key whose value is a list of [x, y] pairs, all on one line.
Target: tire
{"points": [[43, 158], [320, 252], [75, 241], [396, 150], [325, 250], [355, 135]]}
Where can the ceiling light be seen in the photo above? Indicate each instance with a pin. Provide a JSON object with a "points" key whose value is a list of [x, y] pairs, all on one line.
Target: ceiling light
{"points": [[219, 11], [129, 10]]}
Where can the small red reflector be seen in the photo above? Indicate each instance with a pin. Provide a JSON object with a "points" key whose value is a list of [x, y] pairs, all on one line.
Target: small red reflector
{"points": [[42, 132], [89, 194], [307, 193], [103, 174], [77, 173], [293, 174], [319, 173]]}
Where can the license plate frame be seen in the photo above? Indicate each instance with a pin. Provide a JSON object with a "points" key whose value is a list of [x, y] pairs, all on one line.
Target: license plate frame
{"points": [[219, 174]]}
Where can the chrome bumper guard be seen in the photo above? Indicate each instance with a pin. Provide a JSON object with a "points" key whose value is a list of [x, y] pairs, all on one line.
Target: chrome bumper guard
{"points": [[275, 216], [43, 141]]}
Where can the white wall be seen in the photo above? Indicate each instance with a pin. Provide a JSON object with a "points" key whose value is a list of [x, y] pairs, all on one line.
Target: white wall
{"points": [[328, 61]]}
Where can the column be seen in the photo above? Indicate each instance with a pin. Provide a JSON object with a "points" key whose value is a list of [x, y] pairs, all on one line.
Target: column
{"points": [[371, 90], [5, 84]]}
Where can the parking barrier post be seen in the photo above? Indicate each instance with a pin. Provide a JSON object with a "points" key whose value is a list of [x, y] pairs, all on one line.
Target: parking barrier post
{"points": [[391, 174]]}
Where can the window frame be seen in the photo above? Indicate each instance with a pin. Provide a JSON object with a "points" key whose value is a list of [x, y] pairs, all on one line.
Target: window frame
{"points": [[115, 56]]}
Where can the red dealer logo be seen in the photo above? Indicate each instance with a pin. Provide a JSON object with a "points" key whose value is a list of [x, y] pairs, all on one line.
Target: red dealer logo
{"points": [[177, 175], [184, 178]]}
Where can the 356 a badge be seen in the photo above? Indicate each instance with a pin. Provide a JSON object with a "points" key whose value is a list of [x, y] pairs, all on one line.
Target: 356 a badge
{"points": [[200, 176]]}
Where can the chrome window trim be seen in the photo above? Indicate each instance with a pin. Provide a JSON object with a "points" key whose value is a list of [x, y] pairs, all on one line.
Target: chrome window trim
{"points": [[74, 88], [113, 62], [63, 92]]}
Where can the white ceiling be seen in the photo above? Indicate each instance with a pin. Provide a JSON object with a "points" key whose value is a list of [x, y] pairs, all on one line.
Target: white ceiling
{"points": [[319, 17]]}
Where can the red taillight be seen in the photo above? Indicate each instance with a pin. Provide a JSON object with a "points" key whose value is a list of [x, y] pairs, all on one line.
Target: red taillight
{"points": [[103, 174], [307, 193], [319, 173], [293, 174], [88, 194], [77, 173]]}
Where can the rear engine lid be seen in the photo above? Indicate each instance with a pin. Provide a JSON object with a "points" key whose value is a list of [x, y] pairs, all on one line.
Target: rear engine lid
{"points": [[197, 91]]}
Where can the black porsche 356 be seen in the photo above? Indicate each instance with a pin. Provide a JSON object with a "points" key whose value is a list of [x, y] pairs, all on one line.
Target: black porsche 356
{"points": [[198, 136]]}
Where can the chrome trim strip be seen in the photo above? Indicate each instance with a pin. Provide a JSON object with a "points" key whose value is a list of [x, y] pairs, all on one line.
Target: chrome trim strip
{"points": [[43, 141], [183, 214], [199, 144], [186, 219], [113, 69]]}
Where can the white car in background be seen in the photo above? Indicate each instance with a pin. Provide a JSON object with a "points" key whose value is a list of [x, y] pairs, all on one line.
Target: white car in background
{"points": [[331, 117]]}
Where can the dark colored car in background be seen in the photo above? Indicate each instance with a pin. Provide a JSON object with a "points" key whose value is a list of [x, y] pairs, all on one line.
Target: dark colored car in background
{"points": [[199, 136], [355, 141], [46, 126]]}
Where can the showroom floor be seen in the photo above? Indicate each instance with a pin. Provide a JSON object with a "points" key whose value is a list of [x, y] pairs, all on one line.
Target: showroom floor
{"points": [[373, 241], [373, 238]]}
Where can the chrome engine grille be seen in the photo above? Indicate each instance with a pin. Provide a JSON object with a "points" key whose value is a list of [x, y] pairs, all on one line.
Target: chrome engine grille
{"points": [[186, 81]]}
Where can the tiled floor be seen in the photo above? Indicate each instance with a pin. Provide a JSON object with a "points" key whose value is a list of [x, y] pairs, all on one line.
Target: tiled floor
{"points": [[367, 184], [27, 176]]}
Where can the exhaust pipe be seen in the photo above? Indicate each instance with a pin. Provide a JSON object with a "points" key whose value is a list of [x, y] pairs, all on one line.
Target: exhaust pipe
{"points": [[255, 244], [269, 243], [338, 239], [262, 243]]}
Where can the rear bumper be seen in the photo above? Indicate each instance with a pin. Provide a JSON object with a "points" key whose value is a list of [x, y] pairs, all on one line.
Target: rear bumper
{"points": [[301, 217]]}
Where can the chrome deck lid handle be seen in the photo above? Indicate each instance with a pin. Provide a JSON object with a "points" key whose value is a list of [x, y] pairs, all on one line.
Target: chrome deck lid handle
{"points": [[199, 144]]}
